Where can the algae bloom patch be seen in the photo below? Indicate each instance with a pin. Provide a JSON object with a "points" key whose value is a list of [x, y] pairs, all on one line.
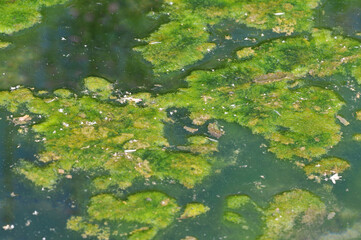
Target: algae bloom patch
{"points": [[185, 39], [18, 15]]}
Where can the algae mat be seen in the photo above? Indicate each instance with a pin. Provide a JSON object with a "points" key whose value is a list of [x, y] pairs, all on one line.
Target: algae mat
{"points": [[184, 119]]}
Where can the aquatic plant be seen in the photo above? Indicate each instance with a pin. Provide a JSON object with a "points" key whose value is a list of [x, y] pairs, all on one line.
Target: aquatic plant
{"points": [[18, 15], [140, 216], [325, 167], [193, 210], [236, 207], [237, 201], [287, 212], [357, 137], [185, 38], [290, 209], [4, 44], [265, 92], [99, 133], [233, 217], [358, 115]]}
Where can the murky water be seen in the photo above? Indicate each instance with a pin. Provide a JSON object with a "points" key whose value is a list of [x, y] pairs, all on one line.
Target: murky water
{"points": [[86, 38]]}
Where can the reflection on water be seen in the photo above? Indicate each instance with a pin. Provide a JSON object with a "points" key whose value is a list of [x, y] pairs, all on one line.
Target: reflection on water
{"points": [[96, 38], [85, 38]]}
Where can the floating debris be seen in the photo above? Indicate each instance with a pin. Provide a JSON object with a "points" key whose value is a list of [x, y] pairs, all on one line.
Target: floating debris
{"points": [[342, 120], [335, 177], [215, 130], [22, 120], [189, 129], [8, 227]]}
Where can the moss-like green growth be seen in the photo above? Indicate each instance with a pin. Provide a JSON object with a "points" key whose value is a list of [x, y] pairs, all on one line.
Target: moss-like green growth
{"points": [[233, 217], [263, 93], [62, 93], [357, 137], [358, 115], [144, 214], [237, 201], [88, 229], [4, 44], [18, 15], [114, 143], [325, 168], [194, 209], [177, 44], [291, 210], [98, 86], [185, 39], [200, 144]]}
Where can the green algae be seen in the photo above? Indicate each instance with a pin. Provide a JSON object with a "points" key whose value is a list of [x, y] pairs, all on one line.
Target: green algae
{"points": [[99, 87], [281, 16], [4, 44], [358, 115], [18, 15], [142, 214], [357, 137], [237, 201], [177, 44], [200, 144], [288, 212], [265, 92], [325, 168], [237, 207], [262, 90], [193, 210], [234, 218], [286, 117], [291, 209], [62, 93], [114, 142], [185, 39]]}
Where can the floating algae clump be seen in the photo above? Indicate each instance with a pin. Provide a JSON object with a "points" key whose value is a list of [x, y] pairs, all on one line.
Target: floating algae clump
{"points": [[325, 168], [237, 201], [140, 216], [114, 143], [185, 39], [298, 122], [265, 93], [233, 217], [357, 137], [18, 15], [194, 209], [291, 210], [4, 44], [200, 144]]}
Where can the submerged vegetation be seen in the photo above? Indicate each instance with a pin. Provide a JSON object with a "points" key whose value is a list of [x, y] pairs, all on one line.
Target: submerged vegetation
{"points": [[286, 212], [185, 39], [290, 209]]}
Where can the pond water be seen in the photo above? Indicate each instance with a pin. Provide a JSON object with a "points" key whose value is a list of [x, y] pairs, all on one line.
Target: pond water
{"points": [[96, 38]]}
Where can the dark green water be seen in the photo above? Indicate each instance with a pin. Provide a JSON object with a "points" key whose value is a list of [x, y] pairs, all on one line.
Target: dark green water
{"points": [[96, 38]]}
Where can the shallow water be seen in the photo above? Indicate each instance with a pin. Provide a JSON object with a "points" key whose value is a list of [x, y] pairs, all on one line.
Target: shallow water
{"points": [[82, 39]]}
